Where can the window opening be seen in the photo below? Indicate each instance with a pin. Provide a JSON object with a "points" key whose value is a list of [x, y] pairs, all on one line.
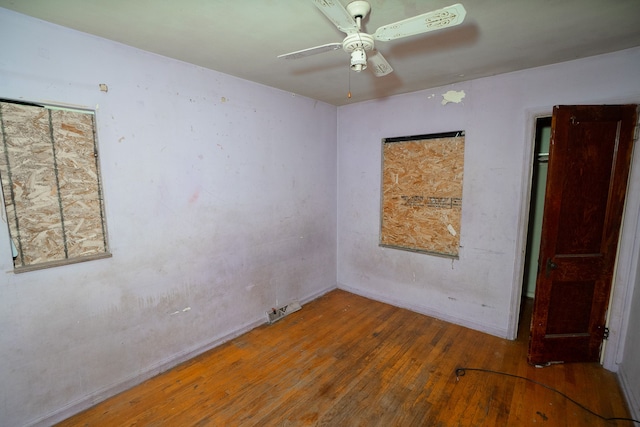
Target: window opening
{"points": [[422, 193], [49, 168]]}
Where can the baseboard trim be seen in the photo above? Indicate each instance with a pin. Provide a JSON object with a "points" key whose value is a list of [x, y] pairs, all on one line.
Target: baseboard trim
{"points": [[633, 400], [317, 295], [104, 393], [501, 333]]}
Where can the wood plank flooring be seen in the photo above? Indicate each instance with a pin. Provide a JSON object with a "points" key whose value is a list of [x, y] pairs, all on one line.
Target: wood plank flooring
{"points": [[344, 360]]}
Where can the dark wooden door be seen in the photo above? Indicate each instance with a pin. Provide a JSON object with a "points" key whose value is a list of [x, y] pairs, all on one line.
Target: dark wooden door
{"points": [[589, 160]]}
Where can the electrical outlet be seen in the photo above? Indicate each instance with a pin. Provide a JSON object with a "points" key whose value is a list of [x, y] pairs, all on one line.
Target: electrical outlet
{"points": [[278, 313]]}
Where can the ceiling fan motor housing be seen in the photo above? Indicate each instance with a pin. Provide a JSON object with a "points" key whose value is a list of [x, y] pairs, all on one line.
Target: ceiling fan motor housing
{"points": [[357, 41], [356, 44]]}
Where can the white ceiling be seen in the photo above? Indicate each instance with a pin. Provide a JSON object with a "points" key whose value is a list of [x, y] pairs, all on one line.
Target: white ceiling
{"points": [[243, 38]]}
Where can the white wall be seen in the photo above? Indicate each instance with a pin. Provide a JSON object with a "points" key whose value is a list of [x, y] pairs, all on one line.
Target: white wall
{"points": [[630, 368], [482, 289], [220, 198]]}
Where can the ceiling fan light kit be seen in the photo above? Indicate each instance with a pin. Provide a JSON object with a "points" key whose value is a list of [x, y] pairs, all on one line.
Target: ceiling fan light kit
{"points": [[358, 60], [358, 43]]}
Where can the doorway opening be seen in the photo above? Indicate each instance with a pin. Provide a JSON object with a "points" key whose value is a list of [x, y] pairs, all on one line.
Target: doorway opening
{"points": [[588, 170], [542, 138]]}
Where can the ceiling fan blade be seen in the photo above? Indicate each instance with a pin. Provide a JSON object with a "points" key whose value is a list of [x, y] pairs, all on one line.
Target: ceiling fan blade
{"points": [[311, 51], [337, 14], [379, 65], [430, 21]]}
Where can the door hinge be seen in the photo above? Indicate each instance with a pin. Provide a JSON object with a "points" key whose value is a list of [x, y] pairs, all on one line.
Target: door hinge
{"points": [[604, 331]]}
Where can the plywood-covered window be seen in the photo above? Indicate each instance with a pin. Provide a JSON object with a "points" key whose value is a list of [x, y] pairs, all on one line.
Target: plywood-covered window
{"points": [[422, 193], [51, 185]]}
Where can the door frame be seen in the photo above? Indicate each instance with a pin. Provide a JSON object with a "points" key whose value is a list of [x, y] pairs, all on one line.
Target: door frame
{"points": [[628, 258]]}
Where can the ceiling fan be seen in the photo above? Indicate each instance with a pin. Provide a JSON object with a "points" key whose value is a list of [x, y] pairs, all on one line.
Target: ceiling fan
{"points": [[358, 43]]}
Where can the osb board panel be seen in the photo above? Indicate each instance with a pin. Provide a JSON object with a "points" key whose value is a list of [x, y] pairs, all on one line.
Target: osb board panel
{"points": [[422, 194], [29, 185], [78, 180], [50, 184]]}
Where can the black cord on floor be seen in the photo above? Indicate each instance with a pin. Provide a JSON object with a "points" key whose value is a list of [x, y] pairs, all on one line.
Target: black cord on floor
{"points": [[461, 371]]}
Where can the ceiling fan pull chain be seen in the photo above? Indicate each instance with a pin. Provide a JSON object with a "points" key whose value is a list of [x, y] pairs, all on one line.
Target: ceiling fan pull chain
{"points": [[349, 93]]}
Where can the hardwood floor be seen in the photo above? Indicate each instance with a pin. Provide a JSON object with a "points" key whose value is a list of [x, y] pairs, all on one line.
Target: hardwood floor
{"points": [[344, 360]]}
